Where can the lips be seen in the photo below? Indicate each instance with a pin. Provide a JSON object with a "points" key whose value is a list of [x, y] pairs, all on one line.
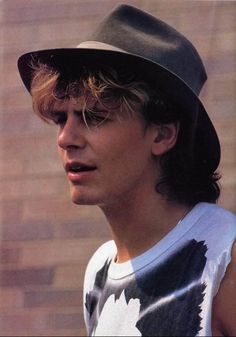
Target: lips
{"points": [[76, 169]]}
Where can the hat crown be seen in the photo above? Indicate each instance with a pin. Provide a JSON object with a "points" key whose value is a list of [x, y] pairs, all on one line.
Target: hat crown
{"points": [[142, 34]]}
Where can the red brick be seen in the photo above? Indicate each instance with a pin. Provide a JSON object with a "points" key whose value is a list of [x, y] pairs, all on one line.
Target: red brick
{"points": [[11, 212], [228, 198], [26, 12], [24, 277], [28, 146], [229, 156], [28, 187], [222, 88], [14, 122], [21, 324], [10, 298], [53, 298], [58, 252], [220, 65], [21, 121], [66, 321], [58, 209], [15, 323], [38, 167], [69, 275], [90, 227], [11, 168], [223, 109], [9, 99], [9, 255], [32, 231]]}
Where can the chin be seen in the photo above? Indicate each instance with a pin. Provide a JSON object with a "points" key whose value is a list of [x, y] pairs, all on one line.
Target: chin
{"points": [[79, 198], [83, 202]]}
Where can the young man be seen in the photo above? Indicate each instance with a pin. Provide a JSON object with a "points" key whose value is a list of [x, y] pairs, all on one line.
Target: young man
{"points": [[135, 140]]}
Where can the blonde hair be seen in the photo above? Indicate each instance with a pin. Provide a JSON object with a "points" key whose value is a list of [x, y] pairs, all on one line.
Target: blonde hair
{"points": [[48, 86]]}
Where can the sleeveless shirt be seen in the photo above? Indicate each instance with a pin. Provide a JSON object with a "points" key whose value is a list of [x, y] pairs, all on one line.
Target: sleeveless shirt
{"points": [[168, 290]]}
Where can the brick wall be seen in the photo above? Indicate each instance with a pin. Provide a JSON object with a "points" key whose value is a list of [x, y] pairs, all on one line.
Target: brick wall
{"points": [[45, 240]]}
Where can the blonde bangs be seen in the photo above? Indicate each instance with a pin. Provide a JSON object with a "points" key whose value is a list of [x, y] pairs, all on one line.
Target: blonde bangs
{"points": [[43, 88], [106, 88], [110, 91]]}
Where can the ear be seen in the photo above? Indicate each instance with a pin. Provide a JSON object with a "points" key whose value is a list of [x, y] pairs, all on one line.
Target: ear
{"points": [[165, 139]]}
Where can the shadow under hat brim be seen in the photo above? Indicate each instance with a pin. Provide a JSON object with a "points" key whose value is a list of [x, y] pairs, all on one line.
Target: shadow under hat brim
{"points": [[71, 61]]}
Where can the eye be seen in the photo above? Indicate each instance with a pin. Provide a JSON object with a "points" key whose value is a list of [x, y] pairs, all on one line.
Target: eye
{"points": [[96, 118], [58, 118]]}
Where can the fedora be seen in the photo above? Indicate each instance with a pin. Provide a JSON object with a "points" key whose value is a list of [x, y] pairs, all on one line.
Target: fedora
{"points": [[156, 51]]}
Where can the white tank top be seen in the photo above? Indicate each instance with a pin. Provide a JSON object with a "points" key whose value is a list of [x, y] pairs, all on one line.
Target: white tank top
{"points": [[169, 289]]}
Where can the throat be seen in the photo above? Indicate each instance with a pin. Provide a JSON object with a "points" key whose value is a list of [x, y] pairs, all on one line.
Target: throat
{"points": [[137, 232]]}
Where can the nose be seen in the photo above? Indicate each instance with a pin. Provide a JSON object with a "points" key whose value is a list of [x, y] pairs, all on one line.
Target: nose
{"points": [[70, 135]]}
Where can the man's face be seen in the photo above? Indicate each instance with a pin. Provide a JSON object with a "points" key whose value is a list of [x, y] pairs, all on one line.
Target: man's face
{"points": [[106, 161]]}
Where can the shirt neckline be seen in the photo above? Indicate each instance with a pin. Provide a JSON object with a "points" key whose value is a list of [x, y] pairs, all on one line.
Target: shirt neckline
{"points": [[122, 270]]}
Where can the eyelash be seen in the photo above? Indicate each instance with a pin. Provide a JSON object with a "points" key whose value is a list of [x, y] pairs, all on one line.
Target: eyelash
{"points": [[95, 118]]}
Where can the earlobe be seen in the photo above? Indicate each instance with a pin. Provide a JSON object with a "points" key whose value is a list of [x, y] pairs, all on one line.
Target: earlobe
{"points": [[165, 138]]}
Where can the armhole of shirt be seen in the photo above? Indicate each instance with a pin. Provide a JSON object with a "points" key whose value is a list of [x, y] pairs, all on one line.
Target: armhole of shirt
{"points": [[104, 252]]}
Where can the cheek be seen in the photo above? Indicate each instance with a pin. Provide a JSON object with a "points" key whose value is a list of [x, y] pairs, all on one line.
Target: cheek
{"points": [[127, 153]]}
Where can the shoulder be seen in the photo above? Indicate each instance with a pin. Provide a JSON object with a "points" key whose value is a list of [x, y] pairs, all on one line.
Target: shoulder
{"points": [[215, 226], [216, 221], [219, 234], [224, 220], [216, 212], [104, 254], [224, 304]]}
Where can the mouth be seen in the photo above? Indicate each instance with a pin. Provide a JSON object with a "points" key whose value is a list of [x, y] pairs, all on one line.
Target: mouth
{"points": [[76, 170]]}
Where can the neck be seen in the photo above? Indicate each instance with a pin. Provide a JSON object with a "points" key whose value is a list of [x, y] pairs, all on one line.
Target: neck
{"points": [[139, 223]]}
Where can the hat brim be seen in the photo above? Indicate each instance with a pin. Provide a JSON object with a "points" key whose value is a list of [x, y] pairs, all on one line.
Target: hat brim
{"points": [[70, 61]]}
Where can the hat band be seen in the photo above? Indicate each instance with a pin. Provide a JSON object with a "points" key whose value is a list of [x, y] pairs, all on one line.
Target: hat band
{"points": [[99, 45]]}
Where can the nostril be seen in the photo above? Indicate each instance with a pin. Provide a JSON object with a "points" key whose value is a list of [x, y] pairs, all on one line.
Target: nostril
{"points": [[67, 146], [66, 139], [71, 144]]}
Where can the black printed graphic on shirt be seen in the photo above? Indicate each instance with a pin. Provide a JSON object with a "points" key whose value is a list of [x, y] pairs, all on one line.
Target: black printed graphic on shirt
{"points": [[168, 296]]}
